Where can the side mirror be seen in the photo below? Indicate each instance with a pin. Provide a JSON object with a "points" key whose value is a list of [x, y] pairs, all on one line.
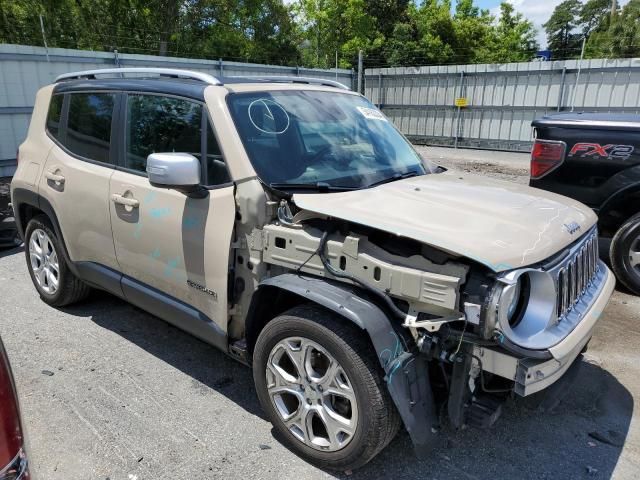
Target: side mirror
{"points": [[179, 171]]}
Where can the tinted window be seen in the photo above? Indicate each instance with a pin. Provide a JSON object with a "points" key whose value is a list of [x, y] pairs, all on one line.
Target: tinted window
{"points": [[53, 117], [161, 124], [164, 124], [89, 125]]}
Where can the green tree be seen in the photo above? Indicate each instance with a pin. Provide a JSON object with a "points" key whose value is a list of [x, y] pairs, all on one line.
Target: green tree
{"points": [[595, 16], [514, 37], [624, 33], [336, 26], [561, 28]]}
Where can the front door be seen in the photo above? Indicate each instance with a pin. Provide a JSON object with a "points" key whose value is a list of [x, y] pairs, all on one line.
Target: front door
{"points": [[177, 245]]}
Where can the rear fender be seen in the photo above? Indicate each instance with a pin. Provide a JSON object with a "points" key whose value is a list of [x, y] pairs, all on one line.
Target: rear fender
{"points": [[406, 373]]}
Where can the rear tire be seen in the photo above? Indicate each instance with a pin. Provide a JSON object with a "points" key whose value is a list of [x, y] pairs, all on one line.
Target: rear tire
{"points": [[50, 274], [372, 418], [625, 254]]}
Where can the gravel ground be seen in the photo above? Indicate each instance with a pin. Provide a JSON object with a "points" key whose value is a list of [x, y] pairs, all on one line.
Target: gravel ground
{"points": [[110, 392]]}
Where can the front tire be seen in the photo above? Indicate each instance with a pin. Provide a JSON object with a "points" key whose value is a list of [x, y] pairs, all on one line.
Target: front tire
{"points": [[319, 381], [49, 272], [625, 254]]}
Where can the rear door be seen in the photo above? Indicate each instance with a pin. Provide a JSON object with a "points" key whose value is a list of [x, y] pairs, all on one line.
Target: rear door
{"points": [[177, 245], [77, 173]]}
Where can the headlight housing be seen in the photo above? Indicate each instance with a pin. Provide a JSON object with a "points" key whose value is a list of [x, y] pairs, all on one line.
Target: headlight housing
{"points": [[522, 307]]}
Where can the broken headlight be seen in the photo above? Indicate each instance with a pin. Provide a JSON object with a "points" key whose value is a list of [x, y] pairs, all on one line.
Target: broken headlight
{"points": [[522, 307]]}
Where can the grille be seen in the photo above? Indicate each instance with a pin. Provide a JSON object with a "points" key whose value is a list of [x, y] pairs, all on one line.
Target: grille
{"points": [[577, 274]]}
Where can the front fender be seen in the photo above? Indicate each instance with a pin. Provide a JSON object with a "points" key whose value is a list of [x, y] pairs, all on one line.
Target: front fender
{"points": [[406, 372]]}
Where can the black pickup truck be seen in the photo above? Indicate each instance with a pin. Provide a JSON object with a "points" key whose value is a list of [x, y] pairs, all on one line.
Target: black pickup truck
{"points": [[595, 159]]}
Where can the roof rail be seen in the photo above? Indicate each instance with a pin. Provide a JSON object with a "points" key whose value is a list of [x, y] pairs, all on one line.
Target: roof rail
{"points": [[308, 80], [163, 72]]}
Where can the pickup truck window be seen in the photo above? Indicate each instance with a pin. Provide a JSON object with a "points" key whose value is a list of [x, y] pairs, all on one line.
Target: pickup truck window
{"points": [[315, 137]]}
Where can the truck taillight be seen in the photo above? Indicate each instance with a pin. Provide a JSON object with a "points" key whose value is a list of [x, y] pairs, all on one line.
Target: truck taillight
{"points": [[13, 463], [546, 156]]}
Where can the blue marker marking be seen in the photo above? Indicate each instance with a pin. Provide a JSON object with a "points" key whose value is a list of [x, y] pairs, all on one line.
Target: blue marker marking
{"points": [[171, 266], [160, 212], [391, 357]]}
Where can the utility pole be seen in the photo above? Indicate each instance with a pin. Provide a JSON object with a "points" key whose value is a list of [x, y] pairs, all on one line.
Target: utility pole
{"points": [[44, 37], [360, 71], [575, 89]]}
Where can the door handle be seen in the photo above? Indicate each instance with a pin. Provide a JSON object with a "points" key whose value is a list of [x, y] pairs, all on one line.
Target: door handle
{"points": [[127, 202], [54, 177]]}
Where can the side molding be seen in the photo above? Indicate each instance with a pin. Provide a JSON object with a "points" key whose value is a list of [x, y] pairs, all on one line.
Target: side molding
{"points": [[406, 372]]}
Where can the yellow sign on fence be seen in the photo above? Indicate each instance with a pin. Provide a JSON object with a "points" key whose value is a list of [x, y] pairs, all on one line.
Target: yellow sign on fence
{"points": [[462, 102]]}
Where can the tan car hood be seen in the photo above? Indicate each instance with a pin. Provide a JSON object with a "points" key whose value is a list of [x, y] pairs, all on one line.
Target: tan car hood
{"points": [[500, 224]]}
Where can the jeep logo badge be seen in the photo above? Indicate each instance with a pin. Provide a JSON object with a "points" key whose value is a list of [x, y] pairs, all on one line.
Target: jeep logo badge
{"points": [[572, 227]]}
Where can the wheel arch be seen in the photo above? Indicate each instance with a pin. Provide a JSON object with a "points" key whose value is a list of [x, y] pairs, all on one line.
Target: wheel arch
{"points": [[406, 372], [27, 205], [617, 209]]}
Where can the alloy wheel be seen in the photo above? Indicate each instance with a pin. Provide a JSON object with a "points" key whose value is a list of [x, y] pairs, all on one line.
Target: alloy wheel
{"points": [[44, 261], [634, 254], [312, 394]]}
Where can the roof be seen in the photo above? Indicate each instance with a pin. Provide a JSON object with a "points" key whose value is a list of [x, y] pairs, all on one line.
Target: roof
{"points": [[599, 121]]}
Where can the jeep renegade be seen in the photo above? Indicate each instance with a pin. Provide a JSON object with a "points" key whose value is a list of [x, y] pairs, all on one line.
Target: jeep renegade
{"points": [[287, 222]]}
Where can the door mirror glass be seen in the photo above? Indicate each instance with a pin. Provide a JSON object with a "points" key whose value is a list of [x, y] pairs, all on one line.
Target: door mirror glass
{"points": [[180, 171]]}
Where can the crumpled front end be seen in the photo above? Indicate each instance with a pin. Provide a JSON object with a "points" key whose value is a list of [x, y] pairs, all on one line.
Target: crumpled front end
{"points": [[471, 335]]}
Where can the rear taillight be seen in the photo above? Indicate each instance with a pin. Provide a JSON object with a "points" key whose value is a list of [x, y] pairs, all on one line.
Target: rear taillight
{"points": [[546, 156], [13, 464]]}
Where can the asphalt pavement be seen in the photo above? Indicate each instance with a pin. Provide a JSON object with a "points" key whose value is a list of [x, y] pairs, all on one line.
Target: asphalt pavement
{"points": [[110, 392]]}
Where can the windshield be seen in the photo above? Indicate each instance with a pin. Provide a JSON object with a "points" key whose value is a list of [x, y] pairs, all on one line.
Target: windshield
{"points": [[316, 139]]}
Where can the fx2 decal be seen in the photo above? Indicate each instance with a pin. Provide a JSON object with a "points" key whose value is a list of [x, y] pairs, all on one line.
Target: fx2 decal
{"points": [[619, 152]]}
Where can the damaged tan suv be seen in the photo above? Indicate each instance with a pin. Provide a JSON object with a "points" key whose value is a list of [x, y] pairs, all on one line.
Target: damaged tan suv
{"points": [[287, 222]]}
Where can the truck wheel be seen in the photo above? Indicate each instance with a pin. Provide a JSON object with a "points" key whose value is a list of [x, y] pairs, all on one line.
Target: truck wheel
{"points": [[318, 380], [49, 272], [625, 254]]}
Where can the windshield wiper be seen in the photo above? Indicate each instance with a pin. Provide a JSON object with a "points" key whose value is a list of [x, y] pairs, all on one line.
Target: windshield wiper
{"points": [[393, 178], [316, 187]]}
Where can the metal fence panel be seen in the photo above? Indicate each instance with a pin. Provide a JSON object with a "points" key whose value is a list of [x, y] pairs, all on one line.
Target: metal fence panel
{"points": [[24, 69], [503, 99]]}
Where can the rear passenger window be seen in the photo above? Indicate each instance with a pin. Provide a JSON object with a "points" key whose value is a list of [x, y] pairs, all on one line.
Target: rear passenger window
{"points": [[54, 116], [158, 124], [89, 125]]}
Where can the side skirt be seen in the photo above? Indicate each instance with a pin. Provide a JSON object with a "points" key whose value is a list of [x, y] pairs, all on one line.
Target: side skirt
{"points": [[157, 303]]}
